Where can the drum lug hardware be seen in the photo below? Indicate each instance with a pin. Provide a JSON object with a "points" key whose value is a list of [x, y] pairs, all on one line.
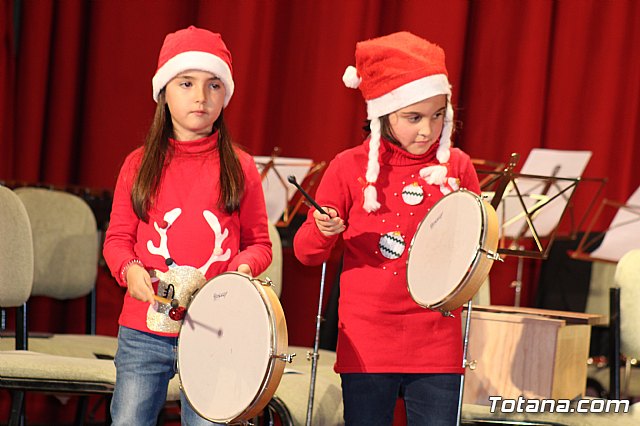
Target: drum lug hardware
{"points": [[493, 255], [267, 281], [285, 357], [447, 314], [470, 364]]}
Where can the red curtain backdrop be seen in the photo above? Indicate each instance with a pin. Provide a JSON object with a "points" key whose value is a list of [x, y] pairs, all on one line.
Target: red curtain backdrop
{"points": [[75, 94]]}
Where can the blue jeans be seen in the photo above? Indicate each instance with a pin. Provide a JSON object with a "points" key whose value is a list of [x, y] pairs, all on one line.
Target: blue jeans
{"points": [[144, 365], [430, 399]]}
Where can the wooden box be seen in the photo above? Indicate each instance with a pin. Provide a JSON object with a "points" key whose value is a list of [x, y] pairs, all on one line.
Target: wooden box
{"points": [[533, 353]]}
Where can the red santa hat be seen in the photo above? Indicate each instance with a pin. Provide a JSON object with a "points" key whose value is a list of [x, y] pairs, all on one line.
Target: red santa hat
{"points": [[193, 49], [393, 72]]}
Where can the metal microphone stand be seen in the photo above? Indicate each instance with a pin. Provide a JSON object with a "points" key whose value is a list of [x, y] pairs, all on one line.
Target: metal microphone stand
{"points": [[464, 360], [314, 356]]}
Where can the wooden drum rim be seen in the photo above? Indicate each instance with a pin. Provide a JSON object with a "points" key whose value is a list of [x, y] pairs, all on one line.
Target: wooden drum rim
{"points": [[278, 345], [478, 267]]}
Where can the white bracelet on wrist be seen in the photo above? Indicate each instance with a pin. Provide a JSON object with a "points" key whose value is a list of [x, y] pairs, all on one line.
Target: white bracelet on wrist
{"points": [[125, 268]]}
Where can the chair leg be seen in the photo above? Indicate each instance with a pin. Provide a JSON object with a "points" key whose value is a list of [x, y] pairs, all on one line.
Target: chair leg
{"points": [[17, 416], [21, 328], [614, 343], [107, 409], [90, 319], [81, 410]]}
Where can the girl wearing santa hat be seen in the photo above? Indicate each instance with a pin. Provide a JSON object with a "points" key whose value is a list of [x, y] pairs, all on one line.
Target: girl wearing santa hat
{"points": [[187, 199], [375, 195]]}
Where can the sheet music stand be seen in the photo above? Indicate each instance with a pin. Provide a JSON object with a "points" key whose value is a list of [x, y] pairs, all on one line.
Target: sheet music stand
{"points": [[622, 235], [283, 200], [520, 200], [530, 207], [576, 225]]}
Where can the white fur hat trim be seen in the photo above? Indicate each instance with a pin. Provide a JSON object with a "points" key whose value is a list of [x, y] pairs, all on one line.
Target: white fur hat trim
{"points": [[193, 60]]}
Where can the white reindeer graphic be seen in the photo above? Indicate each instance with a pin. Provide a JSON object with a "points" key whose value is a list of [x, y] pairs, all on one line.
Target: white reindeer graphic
{"points": [[180, 281]]}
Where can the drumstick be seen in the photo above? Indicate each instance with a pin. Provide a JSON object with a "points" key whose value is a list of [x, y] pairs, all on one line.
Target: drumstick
{"points": [[292, 180], [173, 302]]}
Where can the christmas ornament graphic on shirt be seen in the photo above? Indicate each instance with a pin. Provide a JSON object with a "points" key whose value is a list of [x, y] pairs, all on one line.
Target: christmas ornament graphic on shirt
{"points": [[391, 245], [413, 194]]}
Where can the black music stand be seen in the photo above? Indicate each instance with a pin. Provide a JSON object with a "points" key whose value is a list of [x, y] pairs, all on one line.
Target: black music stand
{"points": [[620, 237], [485, 169], [531, 206], [283, 200]]}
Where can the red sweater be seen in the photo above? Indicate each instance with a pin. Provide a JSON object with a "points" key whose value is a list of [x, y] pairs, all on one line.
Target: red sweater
{"points": [[189, 187], [381, 329]]}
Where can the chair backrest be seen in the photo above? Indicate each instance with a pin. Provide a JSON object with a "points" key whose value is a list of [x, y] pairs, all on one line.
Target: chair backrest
{"points": [[628, 279], [16, 251], [65, 243], [274, 271]]}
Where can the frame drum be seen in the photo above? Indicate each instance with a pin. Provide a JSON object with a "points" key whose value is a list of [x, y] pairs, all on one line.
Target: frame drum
{"points": [[230, 348], [452, 251]]}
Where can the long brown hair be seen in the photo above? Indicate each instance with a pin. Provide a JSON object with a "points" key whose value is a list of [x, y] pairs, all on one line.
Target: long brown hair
{"points": [[158, 152]]}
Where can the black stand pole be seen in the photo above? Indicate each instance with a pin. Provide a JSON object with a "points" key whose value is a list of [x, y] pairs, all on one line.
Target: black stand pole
{"points": [[614, 343]]}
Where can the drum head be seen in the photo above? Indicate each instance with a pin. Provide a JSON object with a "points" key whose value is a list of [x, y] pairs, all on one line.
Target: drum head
{"points": [[444, 248], [224, 347]]}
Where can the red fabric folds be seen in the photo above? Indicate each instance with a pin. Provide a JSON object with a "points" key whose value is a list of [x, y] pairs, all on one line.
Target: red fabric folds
{"points": [[76, 97]]}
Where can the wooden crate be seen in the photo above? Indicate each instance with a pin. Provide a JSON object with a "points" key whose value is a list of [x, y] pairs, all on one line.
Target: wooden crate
{"points": [[533, 353]]}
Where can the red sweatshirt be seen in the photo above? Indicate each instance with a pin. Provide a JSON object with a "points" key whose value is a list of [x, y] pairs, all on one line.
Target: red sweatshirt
{"points": [[189, 189], [381, 329]]}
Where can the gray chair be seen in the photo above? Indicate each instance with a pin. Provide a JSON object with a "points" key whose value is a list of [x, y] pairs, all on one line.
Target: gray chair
{"points": [[16, 274], [627, 278], [16, 261], [65, 250], [23, 370], [274, 270]]}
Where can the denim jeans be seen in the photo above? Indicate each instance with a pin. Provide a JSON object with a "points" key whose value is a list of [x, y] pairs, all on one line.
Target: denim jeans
{"points": [[430, 399], [144, 365]]}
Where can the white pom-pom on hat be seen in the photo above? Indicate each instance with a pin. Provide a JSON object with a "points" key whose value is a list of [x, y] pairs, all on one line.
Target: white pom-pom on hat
{"points": [[350, 78]]}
